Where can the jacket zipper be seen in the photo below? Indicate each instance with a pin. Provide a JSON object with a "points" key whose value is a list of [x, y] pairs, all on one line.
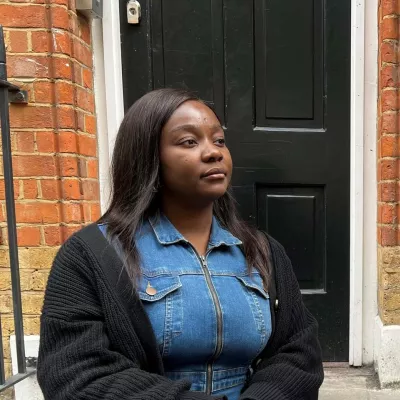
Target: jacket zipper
{"points": [[218, 347], [217, 305]]}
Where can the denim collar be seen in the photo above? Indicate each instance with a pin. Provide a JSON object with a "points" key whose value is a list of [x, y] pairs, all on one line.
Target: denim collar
{"points": [[166, 233]]}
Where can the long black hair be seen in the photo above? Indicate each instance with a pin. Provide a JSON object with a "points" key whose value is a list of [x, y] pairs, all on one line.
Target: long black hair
{"points": [[136, 179]]}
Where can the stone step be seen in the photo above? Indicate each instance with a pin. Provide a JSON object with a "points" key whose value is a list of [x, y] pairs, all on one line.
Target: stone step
{"points": [[346, 383]]}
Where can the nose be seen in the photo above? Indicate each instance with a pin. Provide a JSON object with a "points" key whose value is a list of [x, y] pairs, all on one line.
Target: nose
{"points": [[211, 153]]}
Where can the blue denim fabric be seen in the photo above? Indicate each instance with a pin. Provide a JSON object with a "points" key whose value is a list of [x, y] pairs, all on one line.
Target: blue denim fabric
{"points": [[183, 313]]}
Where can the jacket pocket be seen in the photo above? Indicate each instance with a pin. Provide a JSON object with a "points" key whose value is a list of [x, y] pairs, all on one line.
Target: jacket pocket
{"points": [[162, 299], [258, 300]]}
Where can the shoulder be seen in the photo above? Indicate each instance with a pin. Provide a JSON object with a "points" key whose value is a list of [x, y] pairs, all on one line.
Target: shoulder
{"points": [[80, 251]]}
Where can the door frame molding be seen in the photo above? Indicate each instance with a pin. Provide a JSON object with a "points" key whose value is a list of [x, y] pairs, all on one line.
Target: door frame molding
{"points": [[363, 187]]}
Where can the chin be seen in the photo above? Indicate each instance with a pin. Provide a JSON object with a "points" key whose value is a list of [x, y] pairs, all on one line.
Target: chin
{"points": [[212, 195]]}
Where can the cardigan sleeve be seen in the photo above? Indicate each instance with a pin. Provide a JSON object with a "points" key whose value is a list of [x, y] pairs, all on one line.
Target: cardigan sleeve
{"points": [[291, 369], [76, 358]]}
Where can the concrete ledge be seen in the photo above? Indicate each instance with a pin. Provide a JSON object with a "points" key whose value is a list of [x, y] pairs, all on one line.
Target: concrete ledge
{"points": [[28, 389], [347, 383], [387, 353]]}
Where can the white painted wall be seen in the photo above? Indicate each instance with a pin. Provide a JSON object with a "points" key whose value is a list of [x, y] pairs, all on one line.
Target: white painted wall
{"points": [[101, 112], [370, 269]]}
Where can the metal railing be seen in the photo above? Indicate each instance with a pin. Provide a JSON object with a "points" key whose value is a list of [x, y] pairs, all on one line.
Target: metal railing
{"points": [[11, 93]]}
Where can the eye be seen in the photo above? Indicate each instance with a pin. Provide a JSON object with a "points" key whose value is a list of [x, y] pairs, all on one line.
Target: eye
{"points": [[220, 142], [189, 143]]}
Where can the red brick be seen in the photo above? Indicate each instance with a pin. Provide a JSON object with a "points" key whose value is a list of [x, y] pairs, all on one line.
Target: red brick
{"points": [[84, 29], [34, 165], [82, 53], [62, 68], [30, 117], [389, 76], [50, 189], [387, 169], [387, 214], [40, 42], [77, 73], [87, 78], [71, 189], [85, 99], [389, 123], [90, 124], [389, 52], [389, 100], [73, 22], [67, 142], [3, 193], [389, 28], [52, 235], [64, 92], [19, 66], [25, 142], [387, 191], [67, 231], [28, 236], [18, 41], [30, 188], [71, 213], [80, 119], [388, 236], [68, 166], [389, 146], [389, 7], [37, 212], [62, 42], [60, 17], [28, 1], [95, 212], [45, 142], [87, 145], [92, 169], [32, 16], [86, 211], [43, 91], [90, 190], [66, 117]]}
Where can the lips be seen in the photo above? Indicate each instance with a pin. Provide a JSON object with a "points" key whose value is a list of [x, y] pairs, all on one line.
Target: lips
{"points": [[214, 172]]}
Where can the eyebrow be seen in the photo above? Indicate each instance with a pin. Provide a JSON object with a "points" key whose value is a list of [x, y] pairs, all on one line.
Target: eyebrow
{"points": [[193, 127]]}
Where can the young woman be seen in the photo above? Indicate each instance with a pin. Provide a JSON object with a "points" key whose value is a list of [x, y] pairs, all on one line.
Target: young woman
{"points": [[171, 295]]}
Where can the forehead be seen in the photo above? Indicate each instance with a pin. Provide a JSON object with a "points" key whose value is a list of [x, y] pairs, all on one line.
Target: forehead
{"points": [[192, 112]]}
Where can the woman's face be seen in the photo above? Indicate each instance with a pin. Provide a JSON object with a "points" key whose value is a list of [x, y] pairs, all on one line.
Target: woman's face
{"points": [[196, 165]]}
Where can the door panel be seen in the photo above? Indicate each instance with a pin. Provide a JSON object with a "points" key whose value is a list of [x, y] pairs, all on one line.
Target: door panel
{"points": [[277, 74], [289, 80]]}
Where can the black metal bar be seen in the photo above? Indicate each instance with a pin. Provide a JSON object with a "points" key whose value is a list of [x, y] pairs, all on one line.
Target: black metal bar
{"points": [[2, 369], [17, 378], [10, 208]]}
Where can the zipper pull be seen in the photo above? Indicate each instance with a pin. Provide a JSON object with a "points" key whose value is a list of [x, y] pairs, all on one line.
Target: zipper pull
{"points": [[203, 260]]}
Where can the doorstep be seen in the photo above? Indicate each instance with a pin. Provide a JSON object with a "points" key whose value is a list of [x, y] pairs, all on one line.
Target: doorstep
{"points": [[346, 383]]}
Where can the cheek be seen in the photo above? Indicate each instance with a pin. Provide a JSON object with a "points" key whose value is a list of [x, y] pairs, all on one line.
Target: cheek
{"points": [[228, 161]]}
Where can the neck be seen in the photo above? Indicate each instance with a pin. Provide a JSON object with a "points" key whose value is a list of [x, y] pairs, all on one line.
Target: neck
{"points": [[194, 223]]}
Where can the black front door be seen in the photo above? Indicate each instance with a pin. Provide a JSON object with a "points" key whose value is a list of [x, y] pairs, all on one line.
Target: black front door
{"points": [[277, 74]]}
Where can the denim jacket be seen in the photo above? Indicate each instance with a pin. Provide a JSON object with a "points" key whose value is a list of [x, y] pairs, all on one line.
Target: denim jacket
{"points": [[210, 317]]}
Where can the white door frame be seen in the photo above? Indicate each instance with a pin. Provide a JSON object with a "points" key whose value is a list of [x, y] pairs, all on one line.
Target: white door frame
{"points": [[363, 199]]}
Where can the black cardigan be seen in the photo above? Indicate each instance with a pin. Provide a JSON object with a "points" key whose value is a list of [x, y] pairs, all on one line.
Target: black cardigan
{"points": [[96, 341]]}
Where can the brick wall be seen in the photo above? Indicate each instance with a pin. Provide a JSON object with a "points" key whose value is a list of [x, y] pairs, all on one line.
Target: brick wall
{"points": [[56, 185], [389, 164]]}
